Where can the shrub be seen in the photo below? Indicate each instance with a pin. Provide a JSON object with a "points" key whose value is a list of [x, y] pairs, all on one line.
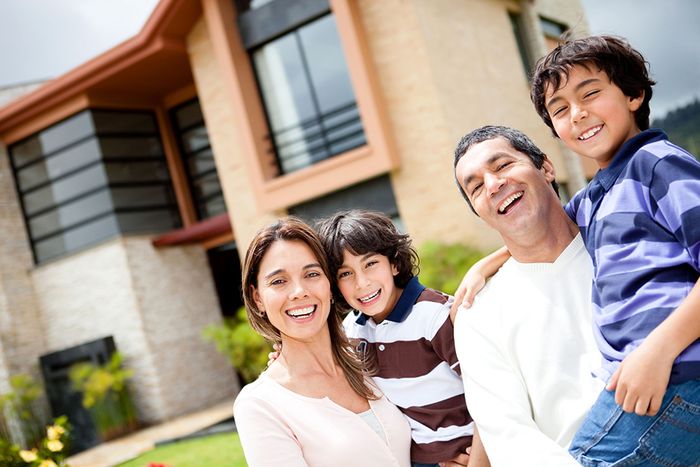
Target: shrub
{"points": [[245, 349], [50, 451], [106, 396], [442, 265], [22, 405]]}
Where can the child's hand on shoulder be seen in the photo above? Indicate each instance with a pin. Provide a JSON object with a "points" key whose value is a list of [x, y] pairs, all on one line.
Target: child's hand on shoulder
{"points": [[641, 380]]}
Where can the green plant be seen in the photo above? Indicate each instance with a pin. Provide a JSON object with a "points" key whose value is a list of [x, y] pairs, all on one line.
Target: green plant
{"points": [[245, 349], [50, 451], [442, 265], [22, 404], [106, 395]]}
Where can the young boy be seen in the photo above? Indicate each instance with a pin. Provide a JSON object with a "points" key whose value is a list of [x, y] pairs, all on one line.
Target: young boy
{"points": [[640, 220], [404, 329]]}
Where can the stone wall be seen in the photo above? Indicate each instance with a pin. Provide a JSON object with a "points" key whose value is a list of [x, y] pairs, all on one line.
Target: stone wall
{"points": [[155, 303]]}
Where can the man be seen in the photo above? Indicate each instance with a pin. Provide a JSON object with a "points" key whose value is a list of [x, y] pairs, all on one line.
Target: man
{"points": [[526, 346]]}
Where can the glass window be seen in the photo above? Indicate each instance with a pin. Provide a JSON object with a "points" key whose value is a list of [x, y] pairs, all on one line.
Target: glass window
{"points": [[552, 32], [76, 176], [308, 96], [198, 160], [516, 23]]}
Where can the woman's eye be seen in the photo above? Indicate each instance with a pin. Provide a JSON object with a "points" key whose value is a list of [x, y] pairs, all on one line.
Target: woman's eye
{"points": [[313, 274], [277, 282]]}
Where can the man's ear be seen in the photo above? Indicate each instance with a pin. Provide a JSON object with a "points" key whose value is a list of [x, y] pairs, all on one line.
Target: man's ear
{"points": [[548, 169]]}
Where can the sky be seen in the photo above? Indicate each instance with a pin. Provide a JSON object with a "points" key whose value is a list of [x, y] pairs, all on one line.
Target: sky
{"points": [[41, 39]]}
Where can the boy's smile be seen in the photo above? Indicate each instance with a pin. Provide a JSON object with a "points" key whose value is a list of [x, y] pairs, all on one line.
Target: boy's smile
{"points": [[367, 284], [591, 115]]}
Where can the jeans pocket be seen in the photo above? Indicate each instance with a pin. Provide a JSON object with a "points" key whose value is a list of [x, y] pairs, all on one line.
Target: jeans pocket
{"points": [[674, 439]]}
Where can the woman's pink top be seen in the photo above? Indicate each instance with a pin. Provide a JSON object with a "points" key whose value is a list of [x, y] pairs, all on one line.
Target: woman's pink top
{"points": [[279, 427]]}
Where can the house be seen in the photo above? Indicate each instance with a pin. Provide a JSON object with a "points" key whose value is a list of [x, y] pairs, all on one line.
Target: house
{"points": [[130, 185]]}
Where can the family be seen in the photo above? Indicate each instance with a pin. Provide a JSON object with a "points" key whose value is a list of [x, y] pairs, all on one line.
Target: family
{"points": [[582, 345]]}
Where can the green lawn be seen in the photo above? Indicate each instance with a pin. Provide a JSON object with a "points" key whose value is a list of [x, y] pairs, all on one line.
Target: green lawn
{"points": [[222, 450]]}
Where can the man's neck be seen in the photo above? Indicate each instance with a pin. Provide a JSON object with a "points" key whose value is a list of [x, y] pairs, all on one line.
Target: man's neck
{"points": [[547, 244]]}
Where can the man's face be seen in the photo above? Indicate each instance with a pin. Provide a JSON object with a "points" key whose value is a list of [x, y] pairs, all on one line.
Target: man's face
{"points": [[506, 189]]}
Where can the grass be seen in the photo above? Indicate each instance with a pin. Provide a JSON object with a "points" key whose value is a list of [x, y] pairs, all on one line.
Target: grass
{"points": [[214, 450]]}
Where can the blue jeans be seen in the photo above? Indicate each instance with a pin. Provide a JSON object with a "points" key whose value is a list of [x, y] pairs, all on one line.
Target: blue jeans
{"points": [[611, 437]]}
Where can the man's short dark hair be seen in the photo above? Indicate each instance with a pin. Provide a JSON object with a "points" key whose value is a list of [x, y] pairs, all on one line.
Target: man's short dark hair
{"points": [[517, 139], [624, 65], [360, 232]]}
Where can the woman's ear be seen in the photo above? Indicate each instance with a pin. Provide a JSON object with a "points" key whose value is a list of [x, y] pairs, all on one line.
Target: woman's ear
{"points": [[258, 302]]}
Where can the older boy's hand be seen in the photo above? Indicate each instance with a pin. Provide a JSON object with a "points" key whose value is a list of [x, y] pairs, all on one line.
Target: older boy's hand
{"points": [[641, 380], [472, 282], [275, 354], [461, 460]]}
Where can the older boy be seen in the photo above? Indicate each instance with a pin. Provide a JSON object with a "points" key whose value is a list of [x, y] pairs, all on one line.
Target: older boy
{"points": [[640, 219]]}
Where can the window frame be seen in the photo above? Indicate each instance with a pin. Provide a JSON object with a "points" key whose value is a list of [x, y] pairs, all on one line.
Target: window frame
{"points": [[272, 190]]}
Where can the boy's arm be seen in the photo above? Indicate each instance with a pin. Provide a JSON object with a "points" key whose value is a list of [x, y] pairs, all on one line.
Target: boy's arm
{"points": [[642, 377], [641, 380], [475, 279]]}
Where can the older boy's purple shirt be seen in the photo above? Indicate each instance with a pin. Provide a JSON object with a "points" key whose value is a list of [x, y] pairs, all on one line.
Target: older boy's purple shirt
{"points": [[640, 220]]}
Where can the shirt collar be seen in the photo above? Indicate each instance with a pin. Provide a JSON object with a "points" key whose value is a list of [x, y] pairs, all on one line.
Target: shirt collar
{"points": [[403, 305], [606, 177]]}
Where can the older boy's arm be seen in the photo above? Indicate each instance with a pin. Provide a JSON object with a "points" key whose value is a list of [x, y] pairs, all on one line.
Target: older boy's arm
{"points": [[641, 380], [475, 279], [477, 453]]}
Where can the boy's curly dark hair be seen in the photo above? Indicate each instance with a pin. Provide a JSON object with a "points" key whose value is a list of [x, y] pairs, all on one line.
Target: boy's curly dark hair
{"points": [[360, 232], [624, 65]]}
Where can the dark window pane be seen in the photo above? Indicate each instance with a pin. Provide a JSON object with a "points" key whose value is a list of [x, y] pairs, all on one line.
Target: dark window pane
{"points": [[199, 160], [137, 171], [66, 132], [148, 221], [214, 206], [26, 151], [327, 69], [131, 147], [69, 214], [65, 189], [59, 164], [74, 239], [135, 197], [195, 139], [188, 115], [124, 122]]}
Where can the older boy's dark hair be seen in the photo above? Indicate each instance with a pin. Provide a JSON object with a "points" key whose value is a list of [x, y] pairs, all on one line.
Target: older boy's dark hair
{"points": [[624, 65], [517, 139], [360, 232]]}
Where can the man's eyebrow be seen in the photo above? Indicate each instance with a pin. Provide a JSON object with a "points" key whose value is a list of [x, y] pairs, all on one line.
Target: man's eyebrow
{"points": [[580, 85], [493, 158]]}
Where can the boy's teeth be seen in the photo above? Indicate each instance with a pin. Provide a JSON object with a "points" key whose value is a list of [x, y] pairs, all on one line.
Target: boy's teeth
{"points": [[368, 297], [301, 311], [589, 133], [508, 201]]}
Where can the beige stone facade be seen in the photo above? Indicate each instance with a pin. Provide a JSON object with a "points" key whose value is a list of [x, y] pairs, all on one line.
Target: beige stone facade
{"points": [[155, 304]]}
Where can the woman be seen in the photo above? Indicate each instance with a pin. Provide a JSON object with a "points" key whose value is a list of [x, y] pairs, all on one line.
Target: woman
{"points": [[312, 406]]}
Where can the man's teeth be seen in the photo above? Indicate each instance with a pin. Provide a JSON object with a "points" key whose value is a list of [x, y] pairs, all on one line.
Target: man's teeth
{"points": [[590, 133], [368, 297], [508, 201], [301, 311]]}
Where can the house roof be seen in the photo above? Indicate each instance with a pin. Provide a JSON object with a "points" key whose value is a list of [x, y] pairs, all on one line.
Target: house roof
{"points": [[149, 65]]}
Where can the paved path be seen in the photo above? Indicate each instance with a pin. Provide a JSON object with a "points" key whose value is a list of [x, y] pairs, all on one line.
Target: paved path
{"points": [[130, 446]]}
